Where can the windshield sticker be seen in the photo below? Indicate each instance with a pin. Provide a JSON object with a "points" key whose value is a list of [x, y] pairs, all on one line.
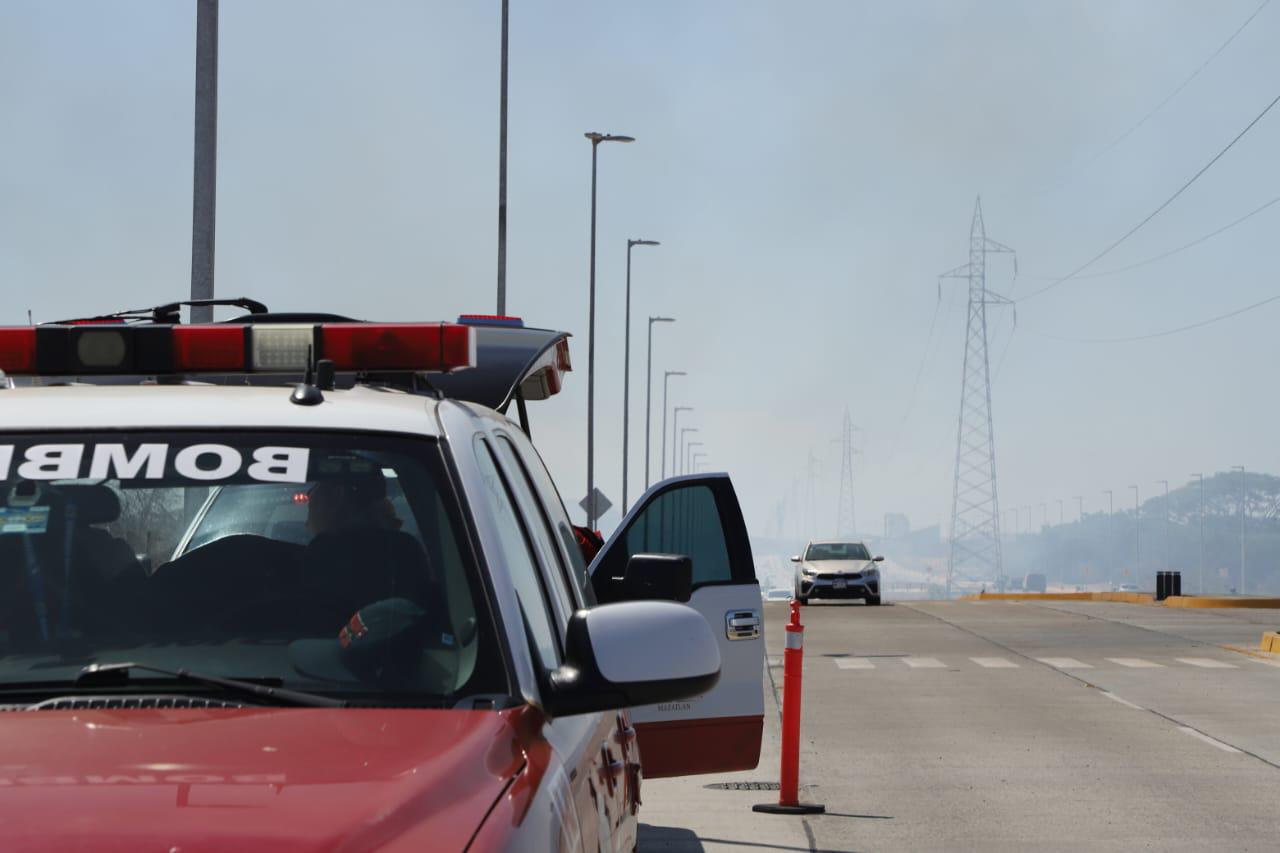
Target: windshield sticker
{"points": [[27, 519], [200, 462]]}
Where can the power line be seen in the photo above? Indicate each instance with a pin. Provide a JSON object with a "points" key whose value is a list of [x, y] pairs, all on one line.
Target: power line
{"points": [[1171, 252], [1164, 333], [1152, 215], [1194, 74]]}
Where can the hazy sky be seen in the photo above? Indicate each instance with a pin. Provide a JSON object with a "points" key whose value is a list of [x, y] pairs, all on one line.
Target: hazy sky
{"points": [[810, 168]]}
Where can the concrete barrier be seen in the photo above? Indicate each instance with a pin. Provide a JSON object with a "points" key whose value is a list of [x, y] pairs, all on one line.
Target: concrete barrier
{"points": [[1221, 601], [1126, 597], [1270, 642]]}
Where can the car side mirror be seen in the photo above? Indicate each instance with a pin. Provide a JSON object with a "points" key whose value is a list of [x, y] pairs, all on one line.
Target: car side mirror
{"points": [[633, 653], [877, 560], [796, 558], [667, 577]]}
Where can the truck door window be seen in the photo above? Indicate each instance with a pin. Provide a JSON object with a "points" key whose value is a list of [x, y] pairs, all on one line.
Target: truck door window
{"points": [[517, 550], [543, 533]]}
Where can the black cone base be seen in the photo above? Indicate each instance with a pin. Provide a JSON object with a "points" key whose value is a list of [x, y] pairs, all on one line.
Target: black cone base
{"points": [[798, 808]]}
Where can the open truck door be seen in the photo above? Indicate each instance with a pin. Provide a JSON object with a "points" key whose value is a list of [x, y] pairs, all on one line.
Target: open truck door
{"points": [[696, 516]]}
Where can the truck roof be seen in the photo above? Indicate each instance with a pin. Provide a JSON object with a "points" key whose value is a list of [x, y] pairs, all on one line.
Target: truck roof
{"points": [[197, 406]]}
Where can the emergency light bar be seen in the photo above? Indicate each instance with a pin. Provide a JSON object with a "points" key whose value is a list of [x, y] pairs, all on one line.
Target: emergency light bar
{"points": [[150, 349]]}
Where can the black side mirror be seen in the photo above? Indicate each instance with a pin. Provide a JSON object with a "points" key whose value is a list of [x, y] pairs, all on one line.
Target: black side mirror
{"points": [[667, 577], [878, 560]]}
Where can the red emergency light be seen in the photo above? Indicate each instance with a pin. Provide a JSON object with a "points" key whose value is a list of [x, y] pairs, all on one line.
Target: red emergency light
{"points": [[151, 349]]}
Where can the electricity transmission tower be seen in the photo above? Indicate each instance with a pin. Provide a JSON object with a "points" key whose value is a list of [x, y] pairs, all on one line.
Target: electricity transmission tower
{"points": [[846, 525], [975, 506]]}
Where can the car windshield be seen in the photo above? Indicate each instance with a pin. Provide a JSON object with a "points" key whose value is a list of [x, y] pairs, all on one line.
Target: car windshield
{"points": [[837, 551], [320, 562]]}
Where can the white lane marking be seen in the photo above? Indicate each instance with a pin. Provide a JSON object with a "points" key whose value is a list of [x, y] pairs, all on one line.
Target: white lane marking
{"points": [[1124, 702], [1065, 663], [924, 663], [854, 663], [1136, 663], [1198, 736], [994, 663], [1207, 663]]}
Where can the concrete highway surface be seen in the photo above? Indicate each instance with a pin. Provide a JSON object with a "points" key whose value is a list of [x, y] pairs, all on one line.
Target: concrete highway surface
{"points": [[1013, 726]]}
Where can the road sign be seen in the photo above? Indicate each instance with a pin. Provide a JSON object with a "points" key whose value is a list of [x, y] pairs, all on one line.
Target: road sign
{"points": [[602, 504]]}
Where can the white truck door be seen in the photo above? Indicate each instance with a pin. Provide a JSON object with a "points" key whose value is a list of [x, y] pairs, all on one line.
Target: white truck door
{"points": [[699, 516]]}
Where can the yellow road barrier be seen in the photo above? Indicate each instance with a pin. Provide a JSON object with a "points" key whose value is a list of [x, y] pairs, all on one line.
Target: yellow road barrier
{"points": [[1270, 642], [1221, 601]]}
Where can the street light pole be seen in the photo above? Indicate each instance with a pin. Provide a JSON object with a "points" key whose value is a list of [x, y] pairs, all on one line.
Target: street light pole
{"points": [[689, 454], [1060, 513], [1137, 531], [1240, 468], [648, 396], [680, 445], [696, 461], [1111, 539], [502, 168], [665, 379], [1080, 509], [205, 171], [1200, 477], [626, 373], [675, 432], [1167, 556], [596, 139]]}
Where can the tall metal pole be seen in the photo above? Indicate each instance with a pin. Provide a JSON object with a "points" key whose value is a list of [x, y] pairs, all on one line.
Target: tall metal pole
{"points": [[1111, 539], [1137, 531], [1240, 468], [680, 444], [626, 373], [502, 169], [689, 454], [1200, 477], [648, 397], [1080, 508], [205, 172], [1061, 517], [1167, 556], [675, 434], [1044, 515], [665, 379], [596, 139]]}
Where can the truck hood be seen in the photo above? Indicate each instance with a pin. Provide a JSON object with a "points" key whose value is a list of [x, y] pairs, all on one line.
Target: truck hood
{"points": [[249, 779]]}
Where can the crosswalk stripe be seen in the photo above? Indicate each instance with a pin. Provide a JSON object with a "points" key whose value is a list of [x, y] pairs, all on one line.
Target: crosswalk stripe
{"points": [[1065, 663], [994, 663], [1136, 663], [1208, 663], [854, 663], [924, 663]]}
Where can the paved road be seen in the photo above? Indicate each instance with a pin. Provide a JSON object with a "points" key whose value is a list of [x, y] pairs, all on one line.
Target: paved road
{"points": [[1014, 726]]}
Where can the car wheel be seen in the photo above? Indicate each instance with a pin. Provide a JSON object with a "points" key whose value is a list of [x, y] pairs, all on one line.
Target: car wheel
{"points": [[873, 600]]}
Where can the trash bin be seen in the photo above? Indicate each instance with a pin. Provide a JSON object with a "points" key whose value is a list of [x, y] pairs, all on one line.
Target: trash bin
{"points": [[1177, 583], [1162, 589]]}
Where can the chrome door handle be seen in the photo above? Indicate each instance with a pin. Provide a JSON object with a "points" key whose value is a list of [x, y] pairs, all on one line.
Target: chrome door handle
{"points": [[742, 624]]}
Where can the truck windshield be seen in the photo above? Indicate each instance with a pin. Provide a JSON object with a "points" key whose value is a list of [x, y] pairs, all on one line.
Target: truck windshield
{"points": [[837, 551], [317, 561]]}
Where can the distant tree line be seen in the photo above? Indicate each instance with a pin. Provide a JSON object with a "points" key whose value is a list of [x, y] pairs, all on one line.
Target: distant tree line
{"points": [[1102, 548]]}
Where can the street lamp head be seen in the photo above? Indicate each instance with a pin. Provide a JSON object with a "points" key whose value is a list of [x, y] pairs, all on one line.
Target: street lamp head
{"points": [[643, 243], [682, 409], [597, 138], [676, 373], [662, 319]]}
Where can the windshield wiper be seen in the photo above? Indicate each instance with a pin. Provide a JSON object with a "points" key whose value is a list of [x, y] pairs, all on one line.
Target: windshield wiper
{"points": [[99, 671]]}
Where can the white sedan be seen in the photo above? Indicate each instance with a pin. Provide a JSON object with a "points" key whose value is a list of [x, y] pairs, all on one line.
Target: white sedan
{"points": [[837, 570]]}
